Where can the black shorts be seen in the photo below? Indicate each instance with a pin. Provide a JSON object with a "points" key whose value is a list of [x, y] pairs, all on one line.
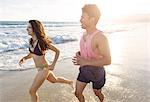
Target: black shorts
{"points": [[93, 74]]}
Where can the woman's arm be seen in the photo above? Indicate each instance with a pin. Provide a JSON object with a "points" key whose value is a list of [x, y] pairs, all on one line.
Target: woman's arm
{"points": [[25, 58], [57, 52]]}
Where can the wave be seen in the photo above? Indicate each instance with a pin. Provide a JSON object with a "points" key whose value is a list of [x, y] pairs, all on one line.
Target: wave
{"points": [[13, 45], [16, 67], [59, 39], [13, 24], [24, 69], [23, 24], [116, 31]]}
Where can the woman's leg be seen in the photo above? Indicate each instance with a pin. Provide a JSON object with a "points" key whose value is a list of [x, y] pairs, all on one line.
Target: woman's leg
{"points": [[53, 79], [39, 79]]}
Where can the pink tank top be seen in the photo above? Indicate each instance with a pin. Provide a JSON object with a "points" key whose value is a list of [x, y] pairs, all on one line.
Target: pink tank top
{"points": [[86, 47]]}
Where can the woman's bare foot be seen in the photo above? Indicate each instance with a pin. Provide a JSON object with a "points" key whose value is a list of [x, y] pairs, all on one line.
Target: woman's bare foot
{"points": [[71, 84]]}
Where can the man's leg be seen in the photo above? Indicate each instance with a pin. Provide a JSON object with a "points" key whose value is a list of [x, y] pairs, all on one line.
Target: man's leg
{"points": [[79, 89], [99, 94]]}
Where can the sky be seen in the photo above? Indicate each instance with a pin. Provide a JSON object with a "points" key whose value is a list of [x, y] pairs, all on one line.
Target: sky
{"points": [[68, 10]]}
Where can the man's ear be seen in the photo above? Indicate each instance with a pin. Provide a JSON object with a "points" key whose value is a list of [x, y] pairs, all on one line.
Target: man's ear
{"points": [[92, 20]]}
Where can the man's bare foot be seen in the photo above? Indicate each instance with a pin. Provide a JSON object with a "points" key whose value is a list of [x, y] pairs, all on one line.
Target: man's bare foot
{"points": [[102, 98]]}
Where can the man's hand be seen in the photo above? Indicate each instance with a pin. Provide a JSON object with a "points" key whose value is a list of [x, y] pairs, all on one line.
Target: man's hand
{"points": [[78, 53], [78, 60], [74, 60]]}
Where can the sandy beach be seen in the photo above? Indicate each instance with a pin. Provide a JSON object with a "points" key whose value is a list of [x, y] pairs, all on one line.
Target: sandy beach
{"points": [[127, 78], [14, 85]]}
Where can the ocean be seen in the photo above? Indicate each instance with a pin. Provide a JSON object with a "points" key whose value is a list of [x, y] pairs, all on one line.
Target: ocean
{"points": [[14, 41]]}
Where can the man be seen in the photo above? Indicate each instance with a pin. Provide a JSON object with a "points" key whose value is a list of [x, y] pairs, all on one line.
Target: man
{"points": [[93, 55]]}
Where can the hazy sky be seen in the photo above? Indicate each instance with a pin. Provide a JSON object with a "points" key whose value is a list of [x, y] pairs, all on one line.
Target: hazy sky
{"points": [[67, 10]]}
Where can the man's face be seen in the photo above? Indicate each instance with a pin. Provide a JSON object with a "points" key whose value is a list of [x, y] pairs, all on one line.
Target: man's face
{"points": [[85, 20]]}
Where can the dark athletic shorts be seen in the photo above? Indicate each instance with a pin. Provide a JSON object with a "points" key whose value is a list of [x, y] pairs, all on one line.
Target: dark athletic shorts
{"points": [[93, 74]]}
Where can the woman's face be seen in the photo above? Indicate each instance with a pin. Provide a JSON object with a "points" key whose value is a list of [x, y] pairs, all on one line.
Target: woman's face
{"points": [[30, 30]]}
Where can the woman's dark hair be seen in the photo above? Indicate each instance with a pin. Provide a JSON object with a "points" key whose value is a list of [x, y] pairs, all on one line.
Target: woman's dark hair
{"points": [[38, 30]]}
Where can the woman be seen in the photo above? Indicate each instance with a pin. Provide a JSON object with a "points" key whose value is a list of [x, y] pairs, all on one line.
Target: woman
{"points": [[38, 45]]}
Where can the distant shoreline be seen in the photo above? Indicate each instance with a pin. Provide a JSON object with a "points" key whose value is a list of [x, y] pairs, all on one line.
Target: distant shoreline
{"points": [[123, 18]]}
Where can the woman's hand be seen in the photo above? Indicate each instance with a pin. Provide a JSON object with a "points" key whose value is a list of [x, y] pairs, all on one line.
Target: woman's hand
{"points": [[25, 58], [51, 67], [21, 61]]}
